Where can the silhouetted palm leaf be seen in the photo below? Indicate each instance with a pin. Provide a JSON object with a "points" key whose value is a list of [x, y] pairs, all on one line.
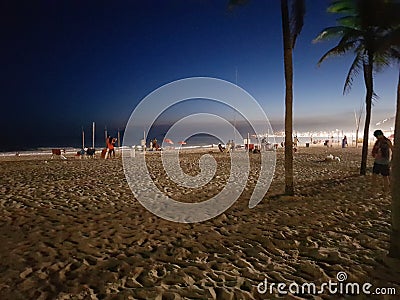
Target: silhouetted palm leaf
{"points": [[298, 10], [355, 69], [342, 7]]}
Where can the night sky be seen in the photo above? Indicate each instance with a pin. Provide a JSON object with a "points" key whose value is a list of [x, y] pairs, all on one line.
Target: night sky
{"points": [[65, 64]]}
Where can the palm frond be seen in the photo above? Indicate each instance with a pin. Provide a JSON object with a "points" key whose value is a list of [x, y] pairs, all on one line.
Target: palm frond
{"points": [[298, 10], [382, 60], [395, 53], [348, 21], [342, 7], [344, 45], [390, 43], [375, 97], [335, 51], [354, 70], [334, 32]]}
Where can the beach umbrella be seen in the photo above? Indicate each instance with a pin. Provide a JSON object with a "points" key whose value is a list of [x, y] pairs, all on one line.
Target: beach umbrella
{"points": [[169, 141]]}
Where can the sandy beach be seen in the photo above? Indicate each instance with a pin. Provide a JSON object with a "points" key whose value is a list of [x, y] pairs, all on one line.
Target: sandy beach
{"points": [[72, 229]]}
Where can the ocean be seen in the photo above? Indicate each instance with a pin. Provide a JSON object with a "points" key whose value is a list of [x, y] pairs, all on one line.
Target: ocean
{"points": [[18, 143]]}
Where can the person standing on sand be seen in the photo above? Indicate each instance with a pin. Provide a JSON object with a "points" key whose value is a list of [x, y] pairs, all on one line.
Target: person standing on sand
{"points": [[344, 142], [154, 144], [295, 141], [381, 152], [110, 147], [113, 142]]}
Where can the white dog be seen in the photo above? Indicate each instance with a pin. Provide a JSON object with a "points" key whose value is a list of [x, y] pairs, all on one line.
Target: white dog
{"points": [[330, 157]]}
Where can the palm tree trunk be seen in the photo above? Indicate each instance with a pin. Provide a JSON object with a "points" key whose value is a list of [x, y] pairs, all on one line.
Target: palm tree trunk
{"points": [[368, 79], [395, 233], [287, 53]]}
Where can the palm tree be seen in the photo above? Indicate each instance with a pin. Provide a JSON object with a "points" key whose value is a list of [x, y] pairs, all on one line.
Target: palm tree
{"points": [[291, 27], [292, 23], [394, 250], [390, 47], [358, 33], [378, 26]]}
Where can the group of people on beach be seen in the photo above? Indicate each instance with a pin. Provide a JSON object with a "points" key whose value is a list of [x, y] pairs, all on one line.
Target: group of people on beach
{"points": [[329, 143], [230, 146], [110, 147], [107, 152], [154, 145]]}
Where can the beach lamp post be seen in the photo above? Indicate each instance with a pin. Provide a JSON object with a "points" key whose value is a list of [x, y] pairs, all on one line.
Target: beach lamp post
{"points": [[83, 138], [337, 132], [133, 151], [119, 139], [119, 142], [143, 142], [93, 128]]}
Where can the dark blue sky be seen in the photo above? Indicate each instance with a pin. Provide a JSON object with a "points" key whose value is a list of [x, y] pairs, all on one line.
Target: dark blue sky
{"points": [[67, 63]]}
